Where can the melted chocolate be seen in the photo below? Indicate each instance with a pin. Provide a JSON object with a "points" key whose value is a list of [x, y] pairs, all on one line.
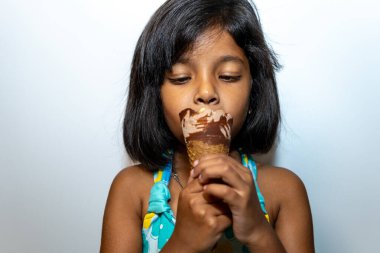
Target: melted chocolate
{"points": [[208, 130]]}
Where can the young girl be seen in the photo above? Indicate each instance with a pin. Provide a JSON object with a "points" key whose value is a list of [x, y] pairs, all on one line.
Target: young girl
{"points": [[204, 54]]}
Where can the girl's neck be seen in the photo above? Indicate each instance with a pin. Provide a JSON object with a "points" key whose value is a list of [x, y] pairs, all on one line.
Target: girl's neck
{"points": [[181, 163]]}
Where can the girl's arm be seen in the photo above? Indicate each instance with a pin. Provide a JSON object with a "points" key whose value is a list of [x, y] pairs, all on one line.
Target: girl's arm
{"points": [[122, 217], [294, 221], [293, 229]]}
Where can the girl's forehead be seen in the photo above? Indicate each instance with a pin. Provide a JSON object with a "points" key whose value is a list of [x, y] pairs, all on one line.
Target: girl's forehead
{"points": [[212, 42], [211, 34]]}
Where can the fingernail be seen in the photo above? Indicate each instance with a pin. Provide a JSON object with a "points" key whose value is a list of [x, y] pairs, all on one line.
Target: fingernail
{"points": [[192, 173], [196, 163]]}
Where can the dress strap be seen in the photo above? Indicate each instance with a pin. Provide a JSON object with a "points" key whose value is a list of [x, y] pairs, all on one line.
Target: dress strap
{"points": [[248, 162], [163, 174], [159, 221], [159, 194]]}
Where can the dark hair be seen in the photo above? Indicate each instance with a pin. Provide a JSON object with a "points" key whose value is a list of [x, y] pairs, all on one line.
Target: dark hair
{"points": [[170, 32]]}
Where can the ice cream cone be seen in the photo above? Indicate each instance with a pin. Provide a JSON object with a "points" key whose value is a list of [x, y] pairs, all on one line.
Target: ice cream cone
{"points": [[206, 132]]}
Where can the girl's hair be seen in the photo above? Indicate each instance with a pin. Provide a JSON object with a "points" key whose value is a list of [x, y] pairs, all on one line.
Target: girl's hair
{"points": [[170, 32]]}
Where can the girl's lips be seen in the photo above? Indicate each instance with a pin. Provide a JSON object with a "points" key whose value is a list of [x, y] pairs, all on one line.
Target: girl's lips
{"points": [[202, 109]]}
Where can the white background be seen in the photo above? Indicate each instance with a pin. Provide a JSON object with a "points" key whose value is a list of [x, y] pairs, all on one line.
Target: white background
{"points": [[64, 68]]}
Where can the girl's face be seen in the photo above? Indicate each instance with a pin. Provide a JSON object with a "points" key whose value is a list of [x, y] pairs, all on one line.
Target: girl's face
{"points": [[213, 74]]}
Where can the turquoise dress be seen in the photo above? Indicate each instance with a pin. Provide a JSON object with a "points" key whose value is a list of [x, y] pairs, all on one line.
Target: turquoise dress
{"points": [[159, 221]]}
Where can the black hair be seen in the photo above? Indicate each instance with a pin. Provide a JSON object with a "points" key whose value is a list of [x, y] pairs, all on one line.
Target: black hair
{"points": [[170, 32]]}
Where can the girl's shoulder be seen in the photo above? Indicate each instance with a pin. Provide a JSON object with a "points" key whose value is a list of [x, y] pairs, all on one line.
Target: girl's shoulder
{"points": [[135, 174], [132, 186], [283, 189], [122, 221], [278, 178]]}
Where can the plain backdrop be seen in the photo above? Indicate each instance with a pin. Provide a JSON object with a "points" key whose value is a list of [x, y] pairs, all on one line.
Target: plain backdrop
{"points": [[64, 68]]}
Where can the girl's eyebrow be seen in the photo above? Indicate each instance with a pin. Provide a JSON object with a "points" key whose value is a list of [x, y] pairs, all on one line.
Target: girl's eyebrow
{"points": [[183, 60], [228, 58], [222, 59]]}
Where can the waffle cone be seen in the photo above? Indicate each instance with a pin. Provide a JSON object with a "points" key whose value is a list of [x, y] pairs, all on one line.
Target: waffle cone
{"points": [[197, 149]]}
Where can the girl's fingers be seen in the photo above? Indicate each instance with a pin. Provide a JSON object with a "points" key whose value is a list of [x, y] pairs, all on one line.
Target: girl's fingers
{"points": [[217, 207], [217, 218], [191, 176], [199, 200], [222, 192], [221, 159], [223, 222], [216, 156], [193, 186], [223, 168], [212, 170]]}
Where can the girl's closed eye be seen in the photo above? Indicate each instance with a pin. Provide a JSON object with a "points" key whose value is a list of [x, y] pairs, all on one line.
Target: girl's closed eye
{"points": [[179, 80], [230, 78]]}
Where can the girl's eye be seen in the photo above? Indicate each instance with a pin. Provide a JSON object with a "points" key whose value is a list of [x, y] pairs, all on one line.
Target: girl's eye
{"points": [[180, 80], [230, 79]]}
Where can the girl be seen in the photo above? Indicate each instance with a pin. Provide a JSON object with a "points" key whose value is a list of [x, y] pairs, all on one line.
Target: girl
{"points": [[204, 54]]}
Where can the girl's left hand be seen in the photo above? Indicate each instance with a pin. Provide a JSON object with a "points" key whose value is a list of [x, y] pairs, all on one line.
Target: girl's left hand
{"points": [[226, 179]]}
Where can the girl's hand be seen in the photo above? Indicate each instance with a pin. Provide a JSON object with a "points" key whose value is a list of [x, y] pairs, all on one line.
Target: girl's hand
{"points": [[228, 180], [200, 223]]}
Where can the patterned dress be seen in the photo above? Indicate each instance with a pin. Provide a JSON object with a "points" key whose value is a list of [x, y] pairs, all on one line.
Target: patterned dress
{"points": [[159, 221]]}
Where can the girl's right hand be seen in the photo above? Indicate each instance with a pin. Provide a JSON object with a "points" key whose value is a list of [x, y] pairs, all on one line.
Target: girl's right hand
{"points": [[200, 222]]}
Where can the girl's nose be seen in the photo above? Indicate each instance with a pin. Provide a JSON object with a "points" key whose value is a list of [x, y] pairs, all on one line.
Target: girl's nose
{"points": [[206, 94]]}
